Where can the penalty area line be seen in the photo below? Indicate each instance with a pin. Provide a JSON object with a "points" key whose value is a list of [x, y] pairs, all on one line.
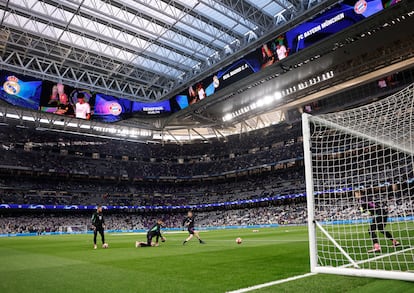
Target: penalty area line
{"points": [[264, 285]]}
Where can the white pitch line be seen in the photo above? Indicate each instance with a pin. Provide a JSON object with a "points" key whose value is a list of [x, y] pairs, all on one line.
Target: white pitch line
{"points": [[144, 233], [264, 285], [127, 233], [261, 240]]}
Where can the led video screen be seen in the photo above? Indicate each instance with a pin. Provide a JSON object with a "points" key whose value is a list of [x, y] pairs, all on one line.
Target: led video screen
{"points": [[111, 109], [19, 90], [330, 22], [65, 100], [155, 108]]}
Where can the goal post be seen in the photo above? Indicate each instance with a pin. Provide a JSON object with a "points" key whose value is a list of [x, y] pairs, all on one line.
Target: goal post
{"points": [[360, 189]]}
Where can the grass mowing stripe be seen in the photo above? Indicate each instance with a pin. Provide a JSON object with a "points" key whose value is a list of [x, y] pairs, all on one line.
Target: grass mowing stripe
{"points": [[67, 263]]}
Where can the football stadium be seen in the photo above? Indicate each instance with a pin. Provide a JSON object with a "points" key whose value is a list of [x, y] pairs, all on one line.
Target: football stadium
{"points": [[207, 146]]}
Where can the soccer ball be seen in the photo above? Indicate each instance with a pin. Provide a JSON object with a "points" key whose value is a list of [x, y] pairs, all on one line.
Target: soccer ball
{"points": [[105, 245], [238, 240]]}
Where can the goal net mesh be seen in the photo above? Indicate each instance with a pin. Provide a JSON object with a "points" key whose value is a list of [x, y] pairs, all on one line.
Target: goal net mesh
{"points": [[362, 175]]}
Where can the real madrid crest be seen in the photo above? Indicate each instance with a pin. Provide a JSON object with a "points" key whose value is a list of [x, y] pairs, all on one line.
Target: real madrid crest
{"points": [[11, 86]]}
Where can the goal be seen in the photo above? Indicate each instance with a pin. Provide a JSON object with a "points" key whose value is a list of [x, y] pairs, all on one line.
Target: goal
{"points": [[359, 186], [74, 229]]}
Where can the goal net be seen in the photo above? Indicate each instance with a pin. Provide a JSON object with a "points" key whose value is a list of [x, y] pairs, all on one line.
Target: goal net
{"points": [[359, 185], [74, 229]]}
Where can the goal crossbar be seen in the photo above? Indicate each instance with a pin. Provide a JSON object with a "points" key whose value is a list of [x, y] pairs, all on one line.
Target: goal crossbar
{"points": [[390, 144]]}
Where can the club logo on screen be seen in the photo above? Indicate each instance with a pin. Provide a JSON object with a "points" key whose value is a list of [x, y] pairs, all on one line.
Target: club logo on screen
{"points": [[360, 6], [115, 109], [11, 86], [216, 81]]}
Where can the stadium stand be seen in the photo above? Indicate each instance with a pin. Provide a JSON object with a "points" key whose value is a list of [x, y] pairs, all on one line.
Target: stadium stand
{"points": [[62, 169]]}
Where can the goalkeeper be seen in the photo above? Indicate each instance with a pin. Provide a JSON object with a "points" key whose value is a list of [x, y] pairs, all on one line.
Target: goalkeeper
{"points": [[154, 231], [379, 214]]}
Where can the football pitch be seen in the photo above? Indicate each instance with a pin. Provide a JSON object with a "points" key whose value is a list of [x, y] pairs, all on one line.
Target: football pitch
{"points": [[67, 263]]}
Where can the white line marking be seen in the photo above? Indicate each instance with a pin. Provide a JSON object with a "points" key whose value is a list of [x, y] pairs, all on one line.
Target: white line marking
{"points": [[260, 240], [264, 285], [144, 233]]}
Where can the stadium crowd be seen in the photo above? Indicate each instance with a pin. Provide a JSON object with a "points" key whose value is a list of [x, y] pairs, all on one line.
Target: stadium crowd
{"points": [[30, 191], [59, 153], [63, 169], [292, 213]]}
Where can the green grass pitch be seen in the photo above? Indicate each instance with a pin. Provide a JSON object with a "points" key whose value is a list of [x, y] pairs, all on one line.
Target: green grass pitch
{"points": [[68, 263]]}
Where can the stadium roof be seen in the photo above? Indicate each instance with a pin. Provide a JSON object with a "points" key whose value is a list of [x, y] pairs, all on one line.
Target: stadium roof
{"points": [[83, 43], [142, 50]]}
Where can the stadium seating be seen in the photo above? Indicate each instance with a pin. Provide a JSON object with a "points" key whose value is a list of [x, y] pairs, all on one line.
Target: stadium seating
{"points": [[63, 169], [63, 153]]}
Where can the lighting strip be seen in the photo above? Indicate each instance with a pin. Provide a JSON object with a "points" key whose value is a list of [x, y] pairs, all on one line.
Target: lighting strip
{"points": [[269, 99]]}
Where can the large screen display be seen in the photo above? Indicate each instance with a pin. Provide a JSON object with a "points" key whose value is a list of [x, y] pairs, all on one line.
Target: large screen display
{"points": [[65, 100], [178, 103], [111, 109], [61, 99], [155, 108], [19, 90], [332, 21]]}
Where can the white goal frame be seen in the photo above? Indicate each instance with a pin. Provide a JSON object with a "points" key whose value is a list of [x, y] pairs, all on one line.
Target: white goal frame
{"points": [[353, 267]]}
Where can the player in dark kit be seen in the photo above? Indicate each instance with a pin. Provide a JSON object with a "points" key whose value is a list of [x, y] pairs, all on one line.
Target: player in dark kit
{"points": [[189, 223], [379, 211], [154, 231], [98, 224]]}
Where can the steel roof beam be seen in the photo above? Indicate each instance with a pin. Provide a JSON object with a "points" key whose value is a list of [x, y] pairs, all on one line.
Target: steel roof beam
{"points": [[247, 11], [209, 21], [50, 70], [95, 36], [162, 23]]}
